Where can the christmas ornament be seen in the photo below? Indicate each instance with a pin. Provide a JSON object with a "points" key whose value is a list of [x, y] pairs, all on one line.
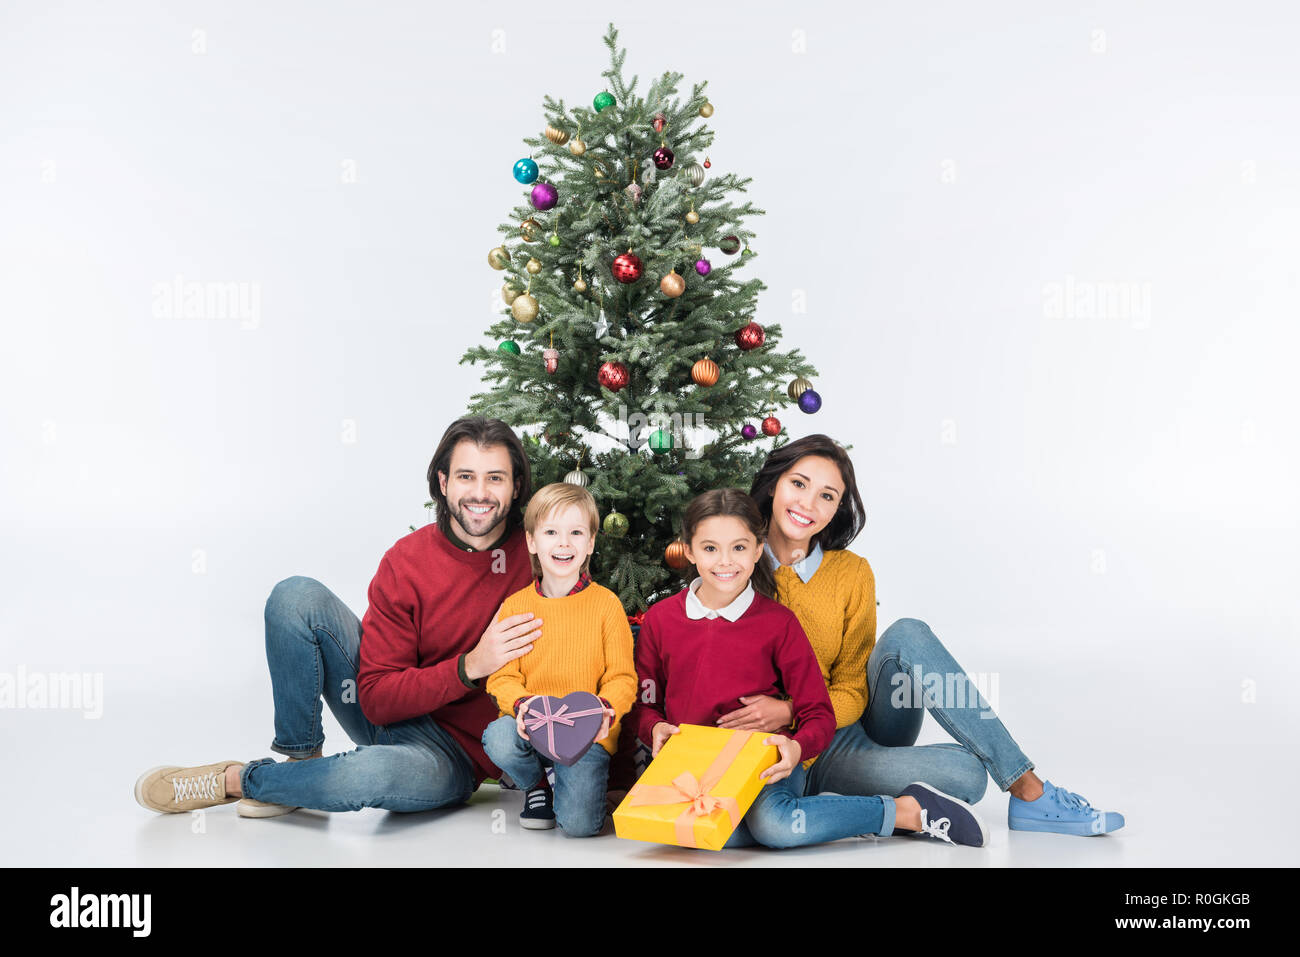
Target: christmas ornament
{"points": [[730, 245], [672, 285], [616, 524], [508, 292], [748, 431], [578, 284], [602, 324], [613, 376], [499, 258], [534, 266], [696, 172], [705, 372], [559, 438], [578, 477], [809, 402], [528, 230], [633, 192], [750, 336], [524, 308], [663, 158], [509, 346], [556, 136], [626, 267], [602, 100], [577, 147], [798, 387], [661, 441], [771, 425], [526, 171], [692, 217], [706, 110], [675, 556], [554, 239], [747, 252], [703, 267], [707, 164], [544, 196], [660, 121], [551, 358]]}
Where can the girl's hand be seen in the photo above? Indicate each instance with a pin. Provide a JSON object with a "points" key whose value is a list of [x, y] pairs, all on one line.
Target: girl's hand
{"points": [[661, 733], [790, 752], [761, 713], [610, 715], [520, 716]]}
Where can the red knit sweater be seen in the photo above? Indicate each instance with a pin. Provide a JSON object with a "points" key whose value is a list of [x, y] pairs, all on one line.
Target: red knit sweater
{"points": [[698, 669], [430, 602]]}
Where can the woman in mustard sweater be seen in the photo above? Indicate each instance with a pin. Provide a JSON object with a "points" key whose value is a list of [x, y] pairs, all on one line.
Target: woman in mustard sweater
{"points": [[808, 495]]}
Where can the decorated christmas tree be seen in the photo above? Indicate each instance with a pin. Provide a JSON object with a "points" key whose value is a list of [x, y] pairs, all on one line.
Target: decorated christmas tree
{"points": [[628, 356]]}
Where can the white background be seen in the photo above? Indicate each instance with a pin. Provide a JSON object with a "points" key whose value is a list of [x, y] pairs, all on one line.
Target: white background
{"points": [[1100, 509]]}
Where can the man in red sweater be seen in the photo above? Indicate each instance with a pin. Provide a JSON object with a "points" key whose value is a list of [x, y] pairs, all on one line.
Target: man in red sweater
{"points": [[410, 692]]}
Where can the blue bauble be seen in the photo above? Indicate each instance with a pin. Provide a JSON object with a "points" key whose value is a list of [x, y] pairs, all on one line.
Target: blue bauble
{"points": [[809, 401], [526, 171]]}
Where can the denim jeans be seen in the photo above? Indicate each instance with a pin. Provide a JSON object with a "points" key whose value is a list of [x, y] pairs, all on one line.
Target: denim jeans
{"points": [[312, 645], [878, 754], [579, 788], [783, 815]]}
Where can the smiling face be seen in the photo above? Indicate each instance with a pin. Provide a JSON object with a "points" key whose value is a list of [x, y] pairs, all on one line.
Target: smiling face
{"points": [[806, 498], [562, 541], [723, 551], [479, 489]]}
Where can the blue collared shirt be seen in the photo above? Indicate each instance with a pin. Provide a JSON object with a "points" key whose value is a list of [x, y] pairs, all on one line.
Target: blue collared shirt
{"points": [[805, 568]]}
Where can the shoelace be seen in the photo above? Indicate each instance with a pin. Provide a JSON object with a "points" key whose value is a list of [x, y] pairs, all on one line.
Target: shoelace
{"points": [[197, 786], [937, 828], [1071, 800], [536, 798]]}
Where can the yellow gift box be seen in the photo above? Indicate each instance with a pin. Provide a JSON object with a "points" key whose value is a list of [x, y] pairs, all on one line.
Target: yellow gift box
{"points": [[697, 789]]}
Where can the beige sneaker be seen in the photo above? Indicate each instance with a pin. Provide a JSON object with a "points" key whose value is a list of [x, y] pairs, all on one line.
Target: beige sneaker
{"points": [[173, 790], [249, 807]]}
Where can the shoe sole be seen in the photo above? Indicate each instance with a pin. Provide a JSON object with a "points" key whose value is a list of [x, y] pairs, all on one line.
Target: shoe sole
{"points": [[535, 824], [979, 821], [138, 790], [262, 809], [1072, 828]]}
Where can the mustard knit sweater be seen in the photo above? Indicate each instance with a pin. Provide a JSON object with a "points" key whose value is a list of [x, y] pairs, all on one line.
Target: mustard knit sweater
{"points": [[837, 608], [586, 645]]}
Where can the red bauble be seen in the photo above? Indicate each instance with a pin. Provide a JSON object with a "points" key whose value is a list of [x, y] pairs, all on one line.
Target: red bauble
{"points": [[626, 268], [613, 376], [750, 336], [771, 425]]}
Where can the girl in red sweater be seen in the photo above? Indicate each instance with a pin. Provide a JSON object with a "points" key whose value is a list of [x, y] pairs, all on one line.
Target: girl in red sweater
{"points": [[724, 637]]}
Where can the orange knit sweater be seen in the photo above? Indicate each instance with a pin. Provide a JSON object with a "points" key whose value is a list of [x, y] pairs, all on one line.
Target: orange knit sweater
{"points": [[586, 645]]}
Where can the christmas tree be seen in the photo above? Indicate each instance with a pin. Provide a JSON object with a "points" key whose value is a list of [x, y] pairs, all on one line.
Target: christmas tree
{"points": [[628, 357]]}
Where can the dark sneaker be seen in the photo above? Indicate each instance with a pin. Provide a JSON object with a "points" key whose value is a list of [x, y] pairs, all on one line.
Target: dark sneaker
{"points": [[539, 811], [946, 818]]}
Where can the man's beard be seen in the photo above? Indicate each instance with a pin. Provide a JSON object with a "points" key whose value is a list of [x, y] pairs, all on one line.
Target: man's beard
{"points": [[471, 522]]}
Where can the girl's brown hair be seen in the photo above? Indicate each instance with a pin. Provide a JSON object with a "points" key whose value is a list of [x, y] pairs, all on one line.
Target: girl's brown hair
{"points": [[733, 502], [849, 517]]}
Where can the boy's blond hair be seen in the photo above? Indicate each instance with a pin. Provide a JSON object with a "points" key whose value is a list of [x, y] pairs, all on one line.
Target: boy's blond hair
{"points": [[556, 497]]}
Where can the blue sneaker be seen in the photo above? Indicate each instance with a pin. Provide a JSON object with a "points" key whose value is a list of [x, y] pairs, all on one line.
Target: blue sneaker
{"points": [[1062, 812], [946, 818]]}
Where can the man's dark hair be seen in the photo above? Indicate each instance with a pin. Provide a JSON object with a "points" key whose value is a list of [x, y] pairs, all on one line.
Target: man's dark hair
{"points": [[849, 517], [483, 432]]}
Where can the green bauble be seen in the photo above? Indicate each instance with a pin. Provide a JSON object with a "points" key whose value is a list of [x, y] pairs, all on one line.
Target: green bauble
{"points": [[602, 100], [661, 441], [554, 240], [616, 525], [509, 346]]}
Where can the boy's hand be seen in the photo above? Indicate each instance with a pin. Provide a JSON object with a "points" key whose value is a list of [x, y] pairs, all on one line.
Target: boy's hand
{"points": [[660, 734], [610, 715], [521, 714], [790, 750], [504, 640]]}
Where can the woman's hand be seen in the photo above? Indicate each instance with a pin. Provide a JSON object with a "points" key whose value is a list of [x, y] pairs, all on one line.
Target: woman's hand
{"points": [[761, 713], [660, 733], [521, 714], [790, 750]]}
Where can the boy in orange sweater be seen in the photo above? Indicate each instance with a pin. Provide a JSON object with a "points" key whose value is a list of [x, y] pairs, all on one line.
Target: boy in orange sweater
{"points": [[586, 645]]}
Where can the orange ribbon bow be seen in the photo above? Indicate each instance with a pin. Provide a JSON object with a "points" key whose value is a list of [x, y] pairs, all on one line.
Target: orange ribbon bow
{"points": [[695, 793]]}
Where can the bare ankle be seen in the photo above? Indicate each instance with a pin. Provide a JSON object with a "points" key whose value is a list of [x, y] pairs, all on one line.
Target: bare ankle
{"points": [[1027, 787], [233, 788], [316, 754], [907, 813]]}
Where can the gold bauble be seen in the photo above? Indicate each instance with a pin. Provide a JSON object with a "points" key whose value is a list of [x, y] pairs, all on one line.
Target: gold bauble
{"points": [[534, 266], [499, 258], [524, 308], [528, 229], [558, 137], [579, 285], [705, 372], [798, 387], [692, 217], [706, 110], [672, 285], [577, 147], [509, 292]]}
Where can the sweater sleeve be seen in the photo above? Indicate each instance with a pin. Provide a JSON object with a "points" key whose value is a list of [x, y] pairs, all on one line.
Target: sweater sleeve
{"points": [[848, 672], [618, 685], [506, 684], [391, 684], [652, 681], [801, 676]]}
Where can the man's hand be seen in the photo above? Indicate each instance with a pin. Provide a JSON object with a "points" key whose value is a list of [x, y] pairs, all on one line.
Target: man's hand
{"points": [[761, 713], [790, 751], [660, 734], [503, 641]]}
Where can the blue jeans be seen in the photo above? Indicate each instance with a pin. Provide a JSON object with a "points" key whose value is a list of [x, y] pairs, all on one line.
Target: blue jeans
{"points": [[579, 788], [878, 754], [312, 646], [784, 816]]}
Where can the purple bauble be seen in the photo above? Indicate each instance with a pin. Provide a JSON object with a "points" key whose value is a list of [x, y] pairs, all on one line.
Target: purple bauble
{"points": [[545, 196], [702, 266], [748, 431], [809, 401]]}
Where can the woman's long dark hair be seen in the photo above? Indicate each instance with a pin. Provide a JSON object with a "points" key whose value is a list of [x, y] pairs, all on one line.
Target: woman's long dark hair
{"points": [[849, 518], [483, 432], [733, 502]]}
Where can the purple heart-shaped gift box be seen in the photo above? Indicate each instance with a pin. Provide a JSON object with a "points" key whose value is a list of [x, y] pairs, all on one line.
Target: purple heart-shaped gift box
{"points": [[562, 729]]}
